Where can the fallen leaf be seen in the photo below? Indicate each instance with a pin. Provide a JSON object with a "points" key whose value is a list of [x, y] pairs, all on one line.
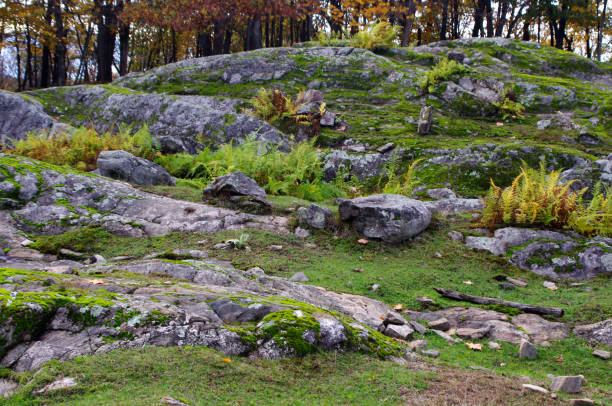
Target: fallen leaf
{"points": [[229, 361], [381, 317], [362, 241], [96, 281], [398, 306], [468, 282], [475, 347], [499, 124], [357, 270], [559, 358]]}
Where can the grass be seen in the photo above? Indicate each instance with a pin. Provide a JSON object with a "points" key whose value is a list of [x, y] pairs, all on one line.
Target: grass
{"points": [[200, 376]]}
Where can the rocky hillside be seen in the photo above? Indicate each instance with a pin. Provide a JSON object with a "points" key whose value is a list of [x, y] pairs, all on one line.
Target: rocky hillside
{"points": [[128, 256]]}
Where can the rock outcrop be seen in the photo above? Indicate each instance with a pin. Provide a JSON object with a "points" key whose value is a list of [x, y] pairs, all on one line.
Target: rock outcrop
{"points": [[239, 191], [50, 200]]}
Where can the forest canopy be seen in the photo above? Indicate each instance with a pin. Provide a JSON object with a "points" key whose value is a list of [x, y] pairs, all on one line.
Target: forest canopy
{"points": [[57, 42]]}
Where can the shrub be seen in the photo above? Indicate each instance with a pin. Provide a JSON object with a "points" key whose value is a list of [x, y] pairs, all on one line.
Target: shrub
{"points": [[297, 173], [273, 106], [80, 149], [443, 70], [536, 197], [331, 40], [376, 35], [508, 105]]}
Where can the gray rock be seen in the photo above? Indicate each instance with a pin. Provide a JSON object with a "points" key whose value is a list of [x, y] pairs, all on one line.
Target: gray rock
{"points": [[301, 232], [20, 116], [299, 277], [431, 353], [597, 333], [403, 332], [316, 216], [567, 384], [394, 318], [543, 124], [441, 193], [494, 346], [440, 324], [229, 311], [417, 345], [602, 354], [455, 235], [7, 388], [63, 383], [534, 388], [418, 327], [332, 332], [527, 350], [425, 120], [387, 147], [454, 205], [485, 244], [171, 401], [238, 190], [178, 122], [390, 218], [124, 166], [328, 119], [473, 333]]}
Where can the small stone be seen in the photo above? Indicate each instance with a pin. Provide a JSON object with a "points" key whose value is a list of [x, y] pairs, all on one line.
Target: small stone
{"points": [[455, 235], [517, 282], [602, 354], [394, 318], [7, 388], [446, 337], [26, 242], [402, 332], [56, 385], [494, 346], [425, 120], [385, 148], [417, 345], [173, 402], [440, 324], [582, 402], [302, 232], [426, 300], [431, 353], [473, 333], [534, 388], [567, 384], [506, 286], [527, 350], [69, 253], [357, 270], [438, 255], [275, 247], [418, 327], [299, 277], [222, 246], [550, 285]]}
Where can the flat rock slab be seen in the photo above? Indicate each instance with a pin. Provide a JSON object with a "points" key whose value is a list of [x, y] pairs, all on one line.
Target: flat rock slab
{"points": [[567, 384]]}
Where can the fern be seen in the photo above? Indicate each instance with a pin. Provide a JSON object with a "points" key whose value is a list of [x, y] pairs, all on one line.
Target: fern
{"points": [[443, 70], [537, 197], [376, 35]]}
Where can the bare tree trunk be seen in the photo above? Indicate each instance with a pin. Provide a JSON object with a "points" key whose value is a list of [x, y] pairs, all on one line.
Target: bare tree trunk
{"points": [[479, 18], [444, 20], [600, 29], [501, 20], [59, 77], [408, 21], [490, 28]]}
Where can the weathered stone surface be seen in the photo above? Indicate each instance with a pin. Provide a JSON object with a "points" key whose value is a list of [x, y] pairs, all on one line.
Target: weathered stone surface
{"points": [[540, 329], [582, 402], [567, 384], [239, 191], [534, 388], [20, 116], [63, 383], [605, 355], [177, 121], [440, 324], [473, 333], [402, 332], [527, 350], [122, 165], [316, 216], [425, 119], [390, 218], [299, 277], [121, 209], [597, 333]]}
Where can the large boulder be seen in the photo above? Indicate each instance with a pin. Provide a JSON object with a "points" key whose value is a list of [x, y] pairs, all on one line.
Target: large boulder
{"points": [[237, 190], [20, 116], [388, 217], [124, 166]]}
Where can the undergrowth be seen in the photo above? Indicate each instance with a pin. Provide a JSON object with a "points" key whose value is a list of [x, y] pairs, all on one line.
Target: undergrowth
{"points": [[537, 197], [443, 70], [80, 148], [297, 173], [375, 35]]}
